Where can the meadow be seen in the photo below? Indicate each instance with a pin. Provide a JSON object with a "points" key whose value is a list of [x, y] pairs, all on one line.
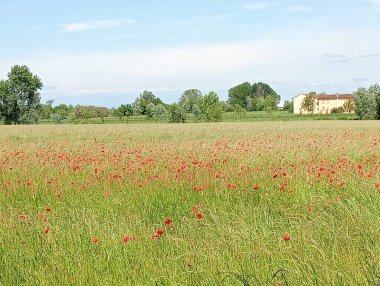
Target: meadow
{"points": [[250, 203]]}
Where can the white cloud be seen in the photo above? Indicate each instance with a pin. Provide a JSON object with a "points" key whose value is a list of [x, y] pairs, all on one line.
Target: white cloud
{"points": [[215, 66], [102, 24], [256, 6]]}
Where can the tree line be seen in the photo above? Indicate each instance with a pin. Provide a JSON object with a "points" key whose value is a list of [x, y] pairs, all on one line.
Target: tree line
{"points": [[20, 103]]}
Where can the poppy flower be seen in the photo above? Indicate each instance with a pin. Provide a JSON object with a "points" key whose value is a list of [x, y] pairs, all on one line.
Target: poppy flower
{"points": [[95, 240], [47, 229], [256, 187], [199, 215], [160, 231], [22, 217], [167, 221], [286, 237], [48, 209], [127, 238]]}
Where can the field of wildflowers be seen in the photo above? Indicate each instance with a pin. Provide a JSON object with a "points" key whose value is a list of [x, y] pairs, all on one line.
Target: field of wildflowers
{"points": [[264, 203]]}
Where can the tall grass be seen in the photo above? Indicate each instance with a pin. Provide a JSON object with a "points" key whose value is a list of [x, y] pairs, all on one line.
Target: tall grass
{"points": [[106, 183]]}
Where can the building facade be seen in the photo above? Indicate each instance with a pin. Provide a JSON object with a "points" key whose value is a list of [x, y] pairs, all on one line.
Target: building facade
{"points": [[324, 103]]}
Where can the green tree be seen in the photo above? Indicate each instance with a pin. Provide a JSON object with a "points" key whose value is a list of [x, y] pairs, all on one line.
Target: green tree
{"points": [[256, 97], [309, 102], [197, 112], [143, 101], [375, 89], [365, 104], [211, 107], [159, 113], [177, 113], [239, 94], [349, 105], [19, 96], [288, 106], [63, 110], [149, 110], [240, 112], [189, 98]]}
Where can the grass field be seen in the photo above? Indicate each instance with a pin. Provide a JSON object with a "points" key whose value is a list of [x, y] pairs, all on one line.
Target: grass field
{"points": [[263, 203]]}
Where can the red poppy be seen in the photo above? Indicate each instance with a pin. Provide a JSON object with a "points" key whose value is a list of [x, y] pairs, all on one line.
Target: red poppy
{"points": [[286, 237], [48, 209], [22, 217], [47, 229], [160, 231], [256, 187], [232, 186], [199, 216], [360, 166], [127, 238], [167, 221], [95, 240]]}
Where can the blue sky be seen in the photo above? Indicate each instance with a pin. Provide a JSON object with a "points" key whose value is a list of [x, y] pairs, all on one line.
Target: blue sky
{"points": [[106, 52]]}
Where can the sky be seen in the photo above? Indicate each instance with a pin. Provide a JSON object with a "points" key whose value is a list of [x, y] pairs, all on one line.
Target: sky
{"points": [[107, 52]]}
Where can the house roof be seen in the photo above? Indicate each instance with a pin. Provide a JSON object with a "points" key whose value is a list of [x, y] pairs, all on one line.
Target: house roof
{"points": [[329, 96], [334, 96]]}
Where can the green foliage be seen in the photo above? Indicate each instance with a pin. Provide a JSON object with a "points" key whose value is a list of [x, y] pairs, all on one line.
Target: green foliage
{"points": [[375, 89], [189, 98], [365, 104], [159, 113], [177, 113], [63, 110], [240, 112], [256, 97], [19, 96], [239, 94], [197, 112], [211, 107], [56, 118], [81, 112], [141, 103], [338, 110], [124, 110], [309, 103], [349, 105], [288, 106]]}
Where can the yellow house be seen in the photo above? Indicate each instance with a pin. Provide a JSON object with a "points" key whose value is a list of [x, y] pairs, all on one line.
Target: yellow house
{"points": [[325, 103]]}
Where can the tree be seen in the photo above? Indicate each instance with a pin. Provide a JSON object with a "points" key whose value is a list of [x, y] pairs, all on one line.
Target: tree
{"points": [[177, 113], [149, 110], [349, 105], [239, 94], [288, 106], [263, 90], [309, 102], [375, 89], [240, 112], [63, 110], [124, 110], [256, 97], [211, 107], [19, 96], [143, 101], [365, 104], [159, 113], [189, 98], [197, 112]]}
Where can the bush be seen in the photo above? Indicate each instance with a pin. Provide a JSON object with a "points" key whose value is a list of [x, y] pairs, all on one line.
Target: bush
{"points": [[338, 110], [56, 118]]}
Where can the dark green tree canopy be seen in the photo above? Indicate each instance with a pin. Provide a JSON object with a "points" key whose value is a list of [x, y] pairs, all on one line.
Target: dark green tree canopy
{"points": [[19, 96], [258, 96]]}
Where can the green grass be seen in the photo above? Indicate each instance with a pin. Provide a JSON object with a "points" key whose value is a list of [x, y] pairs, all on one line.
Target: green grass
{"points": [[325, 197]]}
